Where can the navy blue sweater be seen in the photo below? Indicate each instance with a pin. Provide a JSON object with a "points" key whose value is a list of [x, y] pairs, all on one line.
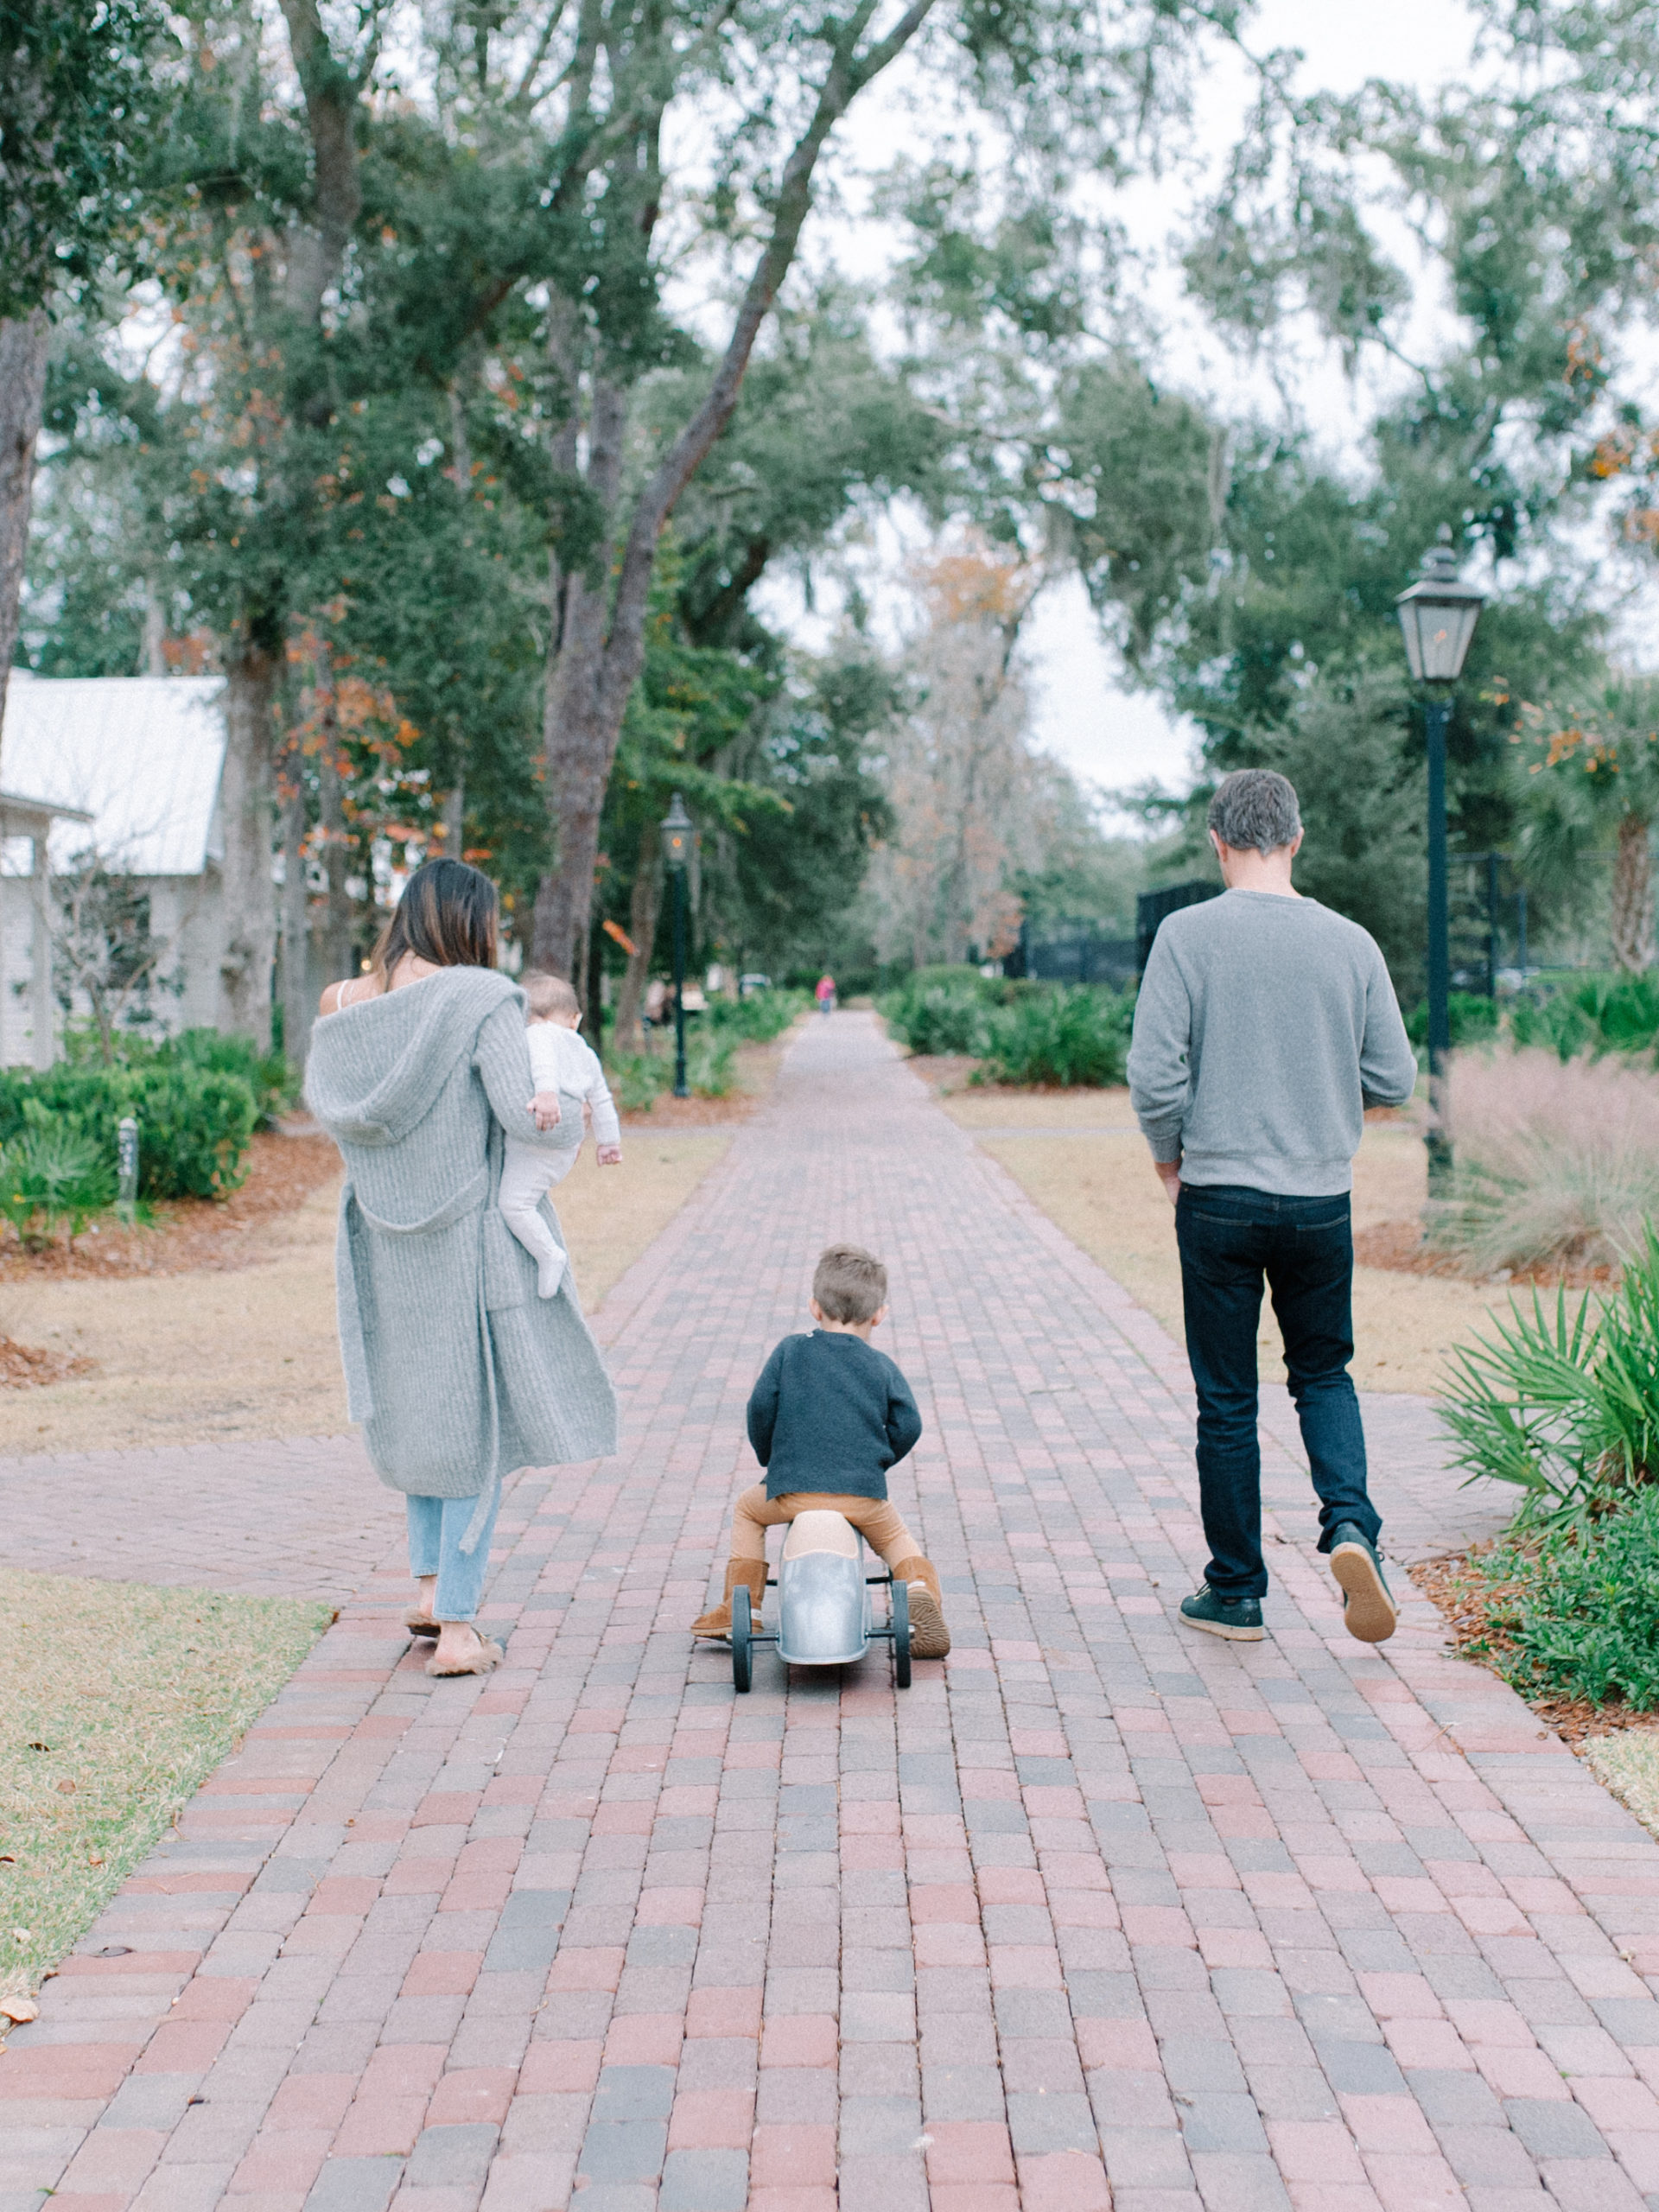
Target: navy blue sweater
{"points": [[830, 1413]]}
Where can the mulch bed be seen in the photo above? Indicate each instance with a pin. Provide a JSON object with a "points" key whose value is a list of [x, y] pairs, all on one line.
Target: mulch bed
{"points": [[757, 1071], [191, 1233], [946, 1073], [284, 1167], [1399, 1247], [667, 1112]]}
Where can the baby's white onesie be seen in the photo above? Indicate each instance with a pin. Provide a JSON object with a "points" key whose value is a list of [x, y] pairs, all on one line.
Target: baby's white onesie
{"points": [[560, 1060]]}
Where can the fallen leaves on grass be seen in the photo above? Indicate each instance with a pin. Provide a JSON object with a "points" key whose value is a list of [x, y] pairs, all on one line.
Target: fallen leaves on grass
{"points": [[24, 1366], [129, 1696]]}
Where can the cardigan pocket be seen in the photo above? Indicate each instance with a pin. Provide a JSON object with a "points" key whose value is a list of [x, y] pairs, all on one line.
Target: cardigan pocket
{"points": [[508, 1268], [471, 1194]]}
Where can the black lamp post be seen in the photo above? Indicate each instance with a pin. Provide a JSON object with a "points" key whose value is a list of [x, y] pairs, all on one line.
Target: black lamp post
{"points": [[677, 833], [1438, 616]]}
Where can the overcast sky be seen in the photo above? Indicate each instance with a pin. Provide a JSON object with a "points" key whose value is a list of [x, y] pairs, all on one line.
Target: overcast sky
{"points": [[1110, 737]]}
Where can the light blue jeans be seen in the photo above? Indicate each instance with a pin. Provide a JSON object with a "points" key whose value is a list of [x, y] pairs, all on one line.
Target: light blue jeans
{"points": [[436, 1526]]}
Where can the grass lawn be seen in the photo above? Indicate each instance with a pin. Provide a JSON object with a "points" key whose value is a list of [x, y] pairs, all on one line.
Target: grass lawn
{"points": [[251, 1351], [1100, 1189], [1628, 1761], [120, 1699]]}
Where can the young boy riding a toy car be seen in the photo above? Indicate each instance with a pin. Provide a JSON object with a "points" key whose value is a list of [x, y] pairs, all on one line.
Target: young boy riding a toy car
{"points": [[828, 1417]]}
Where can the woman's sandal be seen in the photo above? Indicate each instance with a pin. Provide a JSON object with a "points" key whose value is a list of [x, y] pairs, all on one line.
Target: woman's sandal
{"points": [[482, 1660], [420, 1623]]}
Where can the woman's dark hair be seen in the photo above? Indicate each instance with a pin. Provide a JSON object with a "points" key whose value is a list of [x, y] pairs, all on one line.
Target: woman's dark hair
{"points": [[446, 915]]}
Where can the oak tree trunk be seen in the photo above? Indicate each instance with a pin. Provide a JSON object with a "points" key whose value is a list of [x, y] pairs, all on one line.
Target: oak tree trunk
{"points": [[248, 932], [644, 910], [1632, 915], [22, 389], [298, 1008], [578, 772], [339, 956], [598, 648]]}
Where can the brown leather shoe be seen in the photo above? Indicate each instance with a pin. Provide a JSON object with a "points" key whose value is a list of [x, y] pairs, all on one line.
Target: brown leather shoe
{"points": [[717, 1621], [929, 1636]]}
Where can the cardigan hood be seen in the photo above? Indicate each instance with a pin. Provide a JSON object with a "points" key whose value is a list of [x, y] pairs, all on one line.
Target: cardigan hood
{"points": [[375, 1068]]}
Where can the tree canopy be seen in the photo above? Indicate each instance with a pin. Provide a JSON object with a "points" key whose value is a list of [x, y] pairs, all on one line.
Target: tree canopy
{"points": [[433, 378]]}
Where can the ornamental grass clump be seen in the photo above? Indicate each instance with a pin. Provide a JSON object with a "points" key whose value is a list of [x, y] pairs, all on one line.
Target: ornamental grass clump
{"points": [[52, 1178], [711, 1065], [1557, 1162], [637, 1079], [1562, 1400]]}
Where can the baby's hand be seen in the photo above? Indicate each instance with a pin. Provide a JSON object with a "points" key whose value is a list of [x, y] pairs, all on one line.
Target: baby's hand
{"points": [[544, 1106], [610, 1155]]}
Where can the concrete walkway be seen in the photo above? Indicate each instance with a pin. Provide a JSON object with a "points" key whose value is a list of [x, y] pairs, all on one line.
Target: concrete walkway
{"points": [[1098, 1904]]}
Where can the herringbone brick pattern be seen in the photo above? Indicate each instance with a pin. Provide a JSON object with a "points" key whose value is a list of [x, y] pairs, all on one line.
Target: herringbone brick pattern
{"points": [[1098, 1909]]}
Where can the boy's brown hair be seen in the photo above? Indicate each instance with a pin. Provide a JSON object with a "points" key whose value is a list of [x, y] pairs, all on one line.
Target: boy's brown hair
{"points": [[548, 994], [849, 1283]]}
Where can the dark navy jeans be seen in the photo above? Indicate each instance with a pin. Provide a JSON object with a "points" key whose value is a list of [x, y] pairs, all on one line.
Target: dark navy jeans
{"points": [[1232, 1240]]}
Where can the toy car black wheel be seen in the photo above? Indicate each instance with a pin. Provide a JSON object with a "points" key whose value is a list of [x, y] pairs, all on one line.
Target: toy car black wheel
{"points": [[899, 1600], [742, 1640]]}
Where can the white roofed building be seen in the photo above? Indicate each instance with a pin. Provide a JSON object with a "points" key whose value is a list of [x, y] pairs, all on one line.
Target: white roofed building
{"points": [[129, 769]]}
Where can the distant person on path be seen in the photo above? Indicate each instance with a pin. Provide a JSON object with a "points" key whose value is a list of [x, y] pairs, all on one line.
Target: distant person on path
{"points": [[560, 1060], [825, 994], [420, 1072], [1265, 1025], [827, 1419]]}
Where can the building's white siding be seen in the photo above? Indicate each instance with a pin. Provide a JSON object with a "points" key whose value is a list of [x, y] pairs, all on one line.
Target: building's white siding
{"points": [[143, 756]]}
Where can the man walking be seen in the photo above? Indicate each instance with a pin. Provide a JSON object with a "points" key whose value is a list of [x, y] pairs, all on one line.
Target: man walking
{"points": [[1265, 1027]]}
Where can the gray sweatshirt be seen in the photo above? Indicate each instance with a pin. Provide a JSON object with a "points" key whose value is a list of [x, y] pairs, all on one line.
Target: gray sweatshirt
{"points": [[1264, 1027]]}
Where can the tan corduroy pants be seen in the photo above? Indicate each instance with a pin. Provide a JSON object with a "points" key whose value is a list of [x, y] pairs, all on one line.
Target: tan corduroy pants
{"points": [[876, 1521]]}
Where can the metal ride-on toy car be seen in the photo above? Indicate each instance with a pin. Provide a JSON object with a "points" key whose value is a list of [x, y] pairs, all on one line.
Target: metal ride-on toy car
{"points": [[824, 1603]]}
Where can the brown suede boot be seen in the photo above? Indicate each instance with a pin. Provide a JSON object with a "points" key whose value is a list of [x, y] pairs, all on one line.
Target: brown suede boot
{"points": [[717, 1621], [929, 1636]]}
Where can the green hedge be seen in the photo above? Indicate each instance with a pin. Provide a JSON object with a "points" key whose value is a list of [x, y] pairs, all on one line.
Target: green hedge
{"points": [[759, 1018], [195, 1121], [937, 1010], [274, 1085], [1473, 1019], [1056, 1035], [1600, 1013], [1065, 1036]]}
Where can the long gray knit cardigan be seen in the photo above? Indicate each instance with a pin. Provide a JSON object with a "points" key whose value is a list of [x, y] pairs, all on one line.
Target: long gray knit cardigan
{"points": [[458, 1371]]}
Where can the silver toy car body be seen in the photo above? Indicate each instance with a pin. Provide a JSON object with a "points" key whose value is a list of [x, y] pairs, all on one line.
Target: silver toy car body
{"points": [[824, 1615]]}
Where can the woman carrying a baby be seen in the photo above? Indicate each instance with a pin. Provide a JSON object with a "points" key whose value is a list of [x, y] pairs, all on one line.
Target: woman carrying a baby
{"points": [[460, 1372]]}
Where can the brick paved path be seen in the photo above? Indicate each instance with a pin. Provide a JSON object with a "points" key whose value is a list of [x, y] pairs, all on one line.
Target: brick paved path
{"points": [[1098, 1901], [301, 1518]]}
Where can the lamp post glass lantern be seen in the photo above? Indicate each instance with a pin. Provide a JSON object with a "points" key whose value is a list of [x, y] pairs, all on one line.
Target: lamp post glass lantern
{"points": [[678, 830], [1438, 615]]}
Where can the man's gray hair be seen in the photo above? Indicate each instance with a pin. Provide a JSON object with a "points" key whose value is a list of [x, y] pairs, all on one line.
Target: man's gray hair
{"points": [[1255, 808]]}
